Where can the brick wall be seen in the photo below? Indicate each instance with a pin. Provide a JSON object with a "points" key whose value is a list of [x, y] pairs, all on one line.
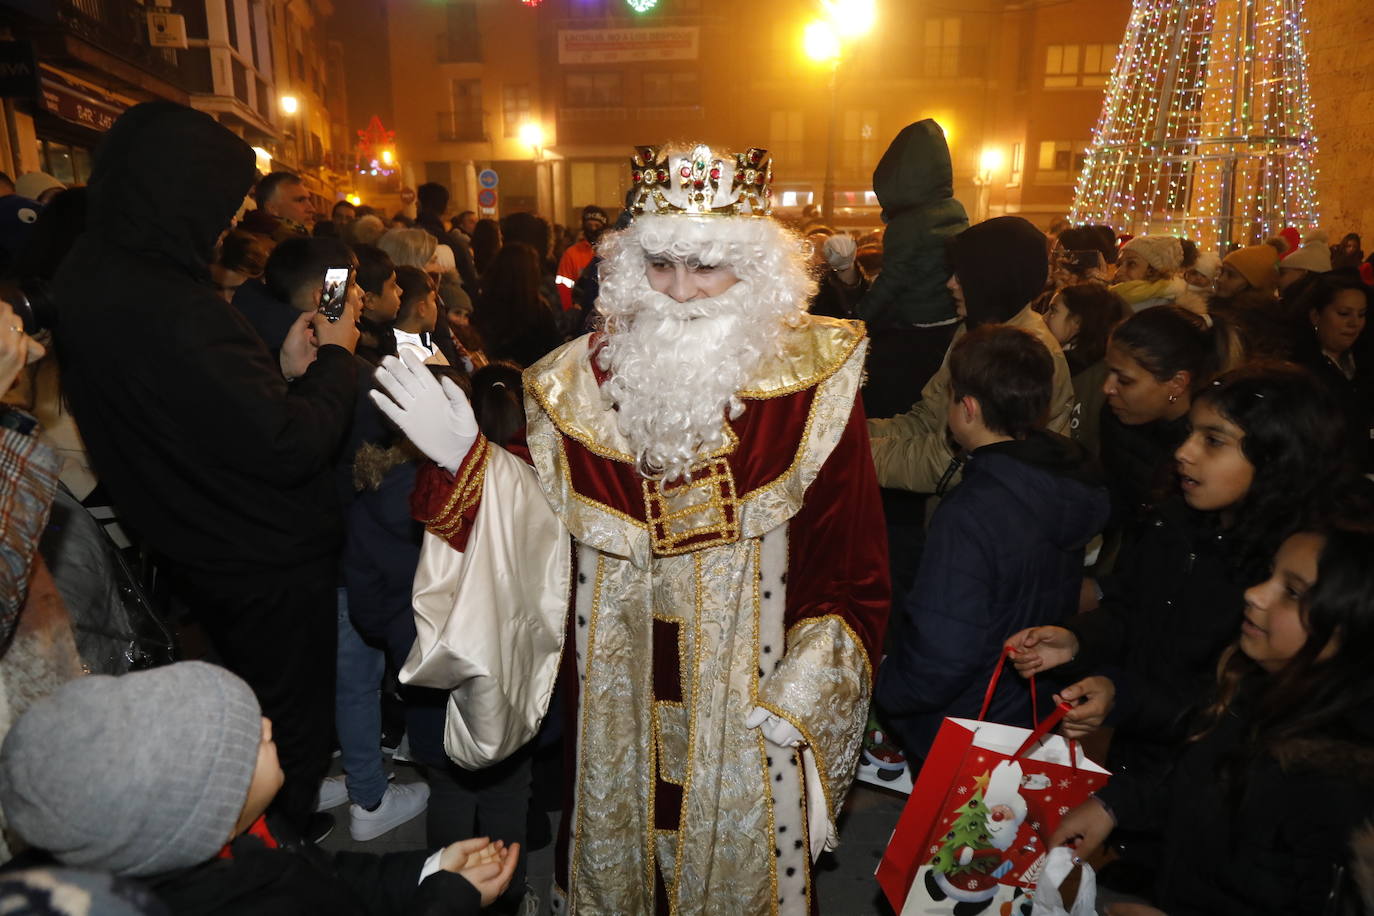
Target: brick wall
{"points": [[1341, 72]]}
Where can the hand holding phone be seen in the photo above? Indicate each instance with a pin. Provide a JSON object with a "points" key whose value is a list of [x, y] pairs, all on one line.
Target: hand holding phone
{"points": [[334, 292]]}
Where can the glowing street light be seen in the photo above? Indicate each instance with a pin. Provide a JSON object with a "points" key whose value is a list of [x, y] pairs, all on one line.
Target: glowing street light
{"points": [[990, 160], [821, 42], [532, 135], [290, 104], [851, 18], [354, 199], [387, 157]]}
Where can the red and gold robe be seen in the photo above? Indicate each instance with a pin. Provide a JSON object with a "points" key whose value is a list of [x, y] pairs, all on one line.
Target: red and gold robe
{"points": [[761, 583]]}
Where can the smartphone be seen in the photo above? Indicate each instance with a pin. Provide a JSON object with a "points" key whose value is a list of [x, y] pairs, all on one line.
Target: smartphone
{"points": [[334, 292]]}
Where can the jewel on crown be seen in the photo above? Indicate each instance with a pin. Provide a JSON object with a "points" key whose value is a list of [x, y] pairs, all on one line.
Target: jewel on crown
{"points": [[696, 181]]}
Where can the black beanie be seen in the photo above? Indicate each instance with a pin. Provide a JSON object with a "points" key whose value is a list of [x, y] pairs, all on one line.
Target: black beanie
{"points": [[1002, 264]]}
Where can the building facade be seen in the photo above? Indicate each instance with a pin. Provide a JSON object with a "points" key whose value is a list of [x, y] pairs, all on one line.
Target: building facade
{"points": [[1017, 87], [238, 60]]}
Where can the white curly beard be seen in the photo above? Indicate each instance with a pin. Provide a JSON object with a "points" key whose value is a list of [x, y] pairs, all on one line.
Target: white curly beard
{"points": [[675, 367], [675, 370]]}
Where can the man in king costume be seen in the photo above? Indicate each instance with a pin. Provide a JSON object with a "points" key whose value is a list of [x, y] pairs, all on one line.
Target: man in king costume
{"points": [[693, 536]]}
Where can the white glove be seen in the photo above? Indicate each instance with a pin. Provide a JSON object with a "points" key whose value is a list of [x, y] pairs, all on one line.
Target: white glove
{"points": [[436, 417], [840, 251], [777, 730]]}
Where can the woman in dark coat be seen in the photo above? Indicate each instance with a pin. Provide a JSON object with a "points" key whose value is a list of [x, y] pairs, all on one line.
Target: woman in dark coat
{"points": [[1337, 351]]}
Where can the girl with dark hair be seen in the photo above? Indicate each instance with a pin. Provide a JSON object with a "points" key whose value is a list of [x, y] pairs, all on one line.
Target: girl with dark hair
{"points": [[1336, 350], [512, 316], [1155, 361], [1081, 318], [1280, 771], [498, 401], [1264, 453]]}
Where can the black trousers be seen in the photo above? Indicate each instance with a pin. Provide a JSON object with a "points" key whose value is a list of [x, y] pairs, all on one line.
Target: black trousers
{"points": [[278, 632]]}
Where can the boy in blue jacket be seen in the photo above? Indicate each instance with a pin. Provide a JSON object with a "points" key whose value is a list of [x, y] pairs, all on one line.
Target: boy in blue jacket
{"points": [[1004, 549]]}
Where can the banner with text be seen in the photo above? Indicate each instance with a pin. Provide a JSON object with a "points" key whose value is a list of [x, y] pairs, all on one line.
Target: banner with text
{"points": [[613, 46]]}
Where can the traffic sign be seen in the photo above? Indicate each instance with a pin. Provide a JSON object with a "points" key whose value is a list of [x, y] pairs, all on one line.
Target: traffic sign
{"points": [[486, 198], [488, 178]]}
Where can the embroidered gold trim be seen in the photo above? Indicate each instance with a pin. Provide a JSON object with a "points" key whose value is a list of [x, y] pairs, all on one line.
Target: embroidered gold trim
{"points": [[575, 840], [691, 729], [467, 492], [832, 341], [708, 498]]}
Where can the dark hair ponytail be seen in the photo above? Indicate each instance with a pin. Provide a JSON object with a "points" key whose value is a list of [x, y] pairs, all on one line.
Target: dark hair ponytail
{"points": [[1098, 311], [1169, 339]]}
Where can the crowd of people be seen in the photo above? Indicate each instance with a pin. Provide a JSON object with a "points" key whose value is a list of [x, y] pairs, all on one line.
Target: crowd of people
{"points": [[645, 459]]}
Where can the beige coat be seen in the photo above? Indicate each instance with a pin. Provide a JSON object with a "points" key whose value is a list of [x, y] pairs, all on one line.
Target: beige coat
{"points": [[911, 450]]}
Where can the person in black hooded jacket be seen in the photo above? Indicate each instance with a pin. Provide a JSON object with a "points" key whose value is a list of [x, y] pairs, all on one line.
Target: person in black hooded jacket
{"points": [[1005, 547], [217, 455]]}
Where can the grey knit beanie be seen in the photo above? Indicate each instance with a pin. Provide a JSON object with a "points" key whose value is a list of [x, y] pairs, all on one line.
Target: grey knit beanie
{"points": [[137, 775]]}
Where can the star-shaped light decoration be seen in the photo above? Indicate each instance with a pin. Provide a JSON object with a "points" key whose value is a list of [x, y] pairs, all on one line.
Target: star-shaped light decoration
{"points": [[982, 781]]}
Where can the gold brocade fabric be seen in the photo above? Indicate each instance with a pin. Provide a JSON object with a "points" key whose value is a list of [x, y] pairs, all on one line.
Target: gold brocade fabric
{"points": [[721, 859]]}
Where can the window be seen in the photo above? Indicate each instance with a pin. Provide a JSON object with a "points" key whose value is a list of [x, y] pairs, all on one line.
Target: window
{"points": [[1060, 160], [68, 164], [785, 138], [668, 88], [859, 143], [1018, 165], [940, 51], [591, 89], [1072, 66], [515, 108], [464, 120], [461, 43]]}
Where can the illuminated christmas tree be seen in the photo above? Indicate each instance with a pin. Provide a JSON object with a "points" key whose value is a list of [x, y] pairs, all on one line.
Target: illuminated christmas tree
{"points": [[1206, 129]]}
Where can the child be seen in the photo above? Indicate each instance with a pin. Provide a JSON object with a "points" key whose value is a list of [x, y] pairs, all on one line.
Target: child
{"points": [[164, 776], [1263, 453], [1005, 547], [419, 311], [1243, 815]]}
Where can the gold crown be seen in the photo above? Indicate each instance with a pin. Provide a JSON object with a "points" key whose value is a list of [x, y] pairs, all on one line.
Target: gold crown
{"points": [[699, 182]]}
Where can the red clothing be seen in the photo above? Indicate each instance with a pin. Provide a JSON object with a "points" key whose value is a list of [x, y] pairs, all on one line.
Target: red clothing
{"points": [[570, 267]]}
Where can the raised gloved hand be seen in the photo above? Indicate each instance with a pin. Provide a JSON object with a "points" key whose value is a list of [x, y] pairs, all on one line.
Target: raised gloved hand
{"points": [[436, 417], [840, 251], [777, 730]]}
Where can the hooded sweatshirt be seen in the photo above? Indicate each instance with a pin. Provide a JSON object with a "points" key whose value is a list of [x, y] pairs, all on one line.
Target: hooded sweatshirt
{"points": [[1004, 552], [914, 181], [208, 452]]}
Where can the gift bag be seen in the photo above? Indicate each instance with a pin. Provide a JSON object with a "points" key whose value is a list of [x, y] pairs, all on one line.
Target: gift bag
{"points": [[973, 831]]}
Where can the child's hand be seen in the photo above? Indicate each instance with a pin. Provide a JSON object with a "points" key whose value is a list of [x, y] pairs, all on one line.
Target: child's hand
{"points": [[1097, 695], [457, 856], [1085, 828], [1039, 649], [491, 876]]}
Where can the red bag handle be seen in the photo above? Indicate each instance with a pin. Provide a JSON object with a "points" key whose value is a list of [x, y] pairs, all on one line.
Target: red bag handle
{"points": [[1040, 730]]}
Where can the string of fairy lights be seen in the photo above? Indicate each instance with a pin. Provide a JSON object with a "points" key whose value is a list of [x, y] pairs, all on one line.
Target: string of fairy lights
{"points": [[1206, 128]]}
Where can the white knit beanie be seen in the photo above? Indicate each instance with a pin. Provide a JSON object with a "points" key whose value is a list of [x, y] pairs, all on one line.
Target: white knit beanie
{"points": [[1162, 252]]}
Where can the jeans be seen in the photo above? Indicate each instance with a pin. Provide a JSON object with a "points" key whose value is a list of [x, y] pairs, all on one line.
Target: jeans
{"points": [[358, 711]]}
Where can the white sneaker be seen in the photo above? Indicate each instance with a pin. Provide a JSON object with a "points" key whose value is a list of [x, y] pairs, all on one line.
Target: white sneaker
{"points": [[402, 802], [333, 793]]}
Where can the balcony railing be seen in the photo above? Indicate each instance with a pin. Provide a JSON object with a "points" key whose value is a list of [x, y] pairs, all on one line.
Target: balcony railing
{"points": [[120, 28], [456, 128]]}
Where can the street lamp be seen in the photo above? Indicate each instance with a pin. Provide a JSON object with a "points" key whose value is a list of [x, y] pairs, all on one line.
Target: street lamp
{"points": [[824, 42], [532, 135], [989, 163], [290, 104]]}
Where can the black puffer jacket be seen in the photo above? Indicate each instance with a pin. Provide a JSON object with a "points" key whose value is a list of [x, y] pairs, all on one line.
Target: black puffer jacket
{"points": [[1268, 842], [206, 449], [1170, 608]]}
